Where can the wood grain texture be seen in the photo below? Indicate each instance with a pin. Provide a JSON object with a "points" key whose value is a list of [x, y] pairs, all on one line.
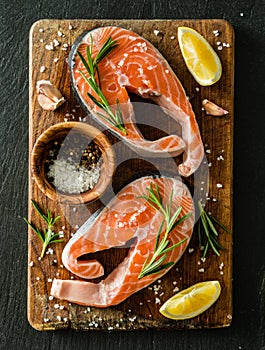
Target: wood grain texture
{"points": [[140, 310]]}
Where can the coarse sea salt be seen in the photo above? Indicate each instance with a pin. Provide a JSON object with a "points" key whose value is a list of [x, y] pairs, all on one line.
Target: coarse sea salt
{"points": [[69, 179]]}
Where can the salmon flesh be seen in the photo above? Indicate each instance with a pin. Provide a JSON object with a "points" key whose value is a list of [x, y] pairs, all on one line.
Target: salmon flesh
{"points": [[136, 66], [127, 219]]}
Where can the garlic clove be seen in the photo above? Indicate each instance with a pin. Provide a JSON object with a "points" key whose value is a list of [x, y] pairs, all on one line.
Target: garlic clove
{"points": [[49, 97], [212, 109]]}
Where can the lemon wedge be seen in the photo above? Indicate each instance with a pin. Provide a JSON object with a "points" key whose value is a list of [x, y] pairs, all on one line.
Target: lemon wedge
{"points": [[201, 59], [192, 301]]}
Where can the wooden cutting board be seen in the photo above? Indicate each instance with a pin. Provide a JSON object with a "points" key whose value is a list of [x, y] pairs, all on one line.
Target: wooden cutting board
{"points": [[140, 311]]}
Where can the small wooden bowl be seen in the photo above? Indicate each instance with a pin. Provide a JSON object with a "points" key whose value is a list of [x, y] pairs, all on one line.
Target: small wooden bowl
{"points": [[39, 155]]}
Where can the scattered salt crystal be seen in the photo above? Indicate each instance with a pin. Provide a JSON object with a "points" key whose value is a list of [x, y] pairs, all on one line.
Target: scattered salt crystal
{"points": [[65, 319], [157, 301], [209, 213], [219, 185], [209, 165], [49, 280], [60, 33], [156, 32], [74, 209], [50, 297], [203, 259], [241, 14], [176, 289], [31, 263], [56, 60], [220, 48], [41, 40], [201, 270], [110, 328], [46, 320], [132, 319], [65, 45], [218, 43], [72, 277], [42, 69], [229, 317], [197, 89], [41, 30], [166, 71], [59, 318], [174, 283], [56, 42], [61, 307], [70, 27], [208, 151], [49, 47], [172, 37], [56, 306], [191, 250], [37, 278], [214, 200]]}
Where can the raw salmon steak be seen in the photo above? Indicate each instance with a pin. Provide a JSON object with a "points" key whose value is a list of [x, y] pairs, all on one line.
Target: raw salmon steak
{"points": [[136, 66], [127, 219]]}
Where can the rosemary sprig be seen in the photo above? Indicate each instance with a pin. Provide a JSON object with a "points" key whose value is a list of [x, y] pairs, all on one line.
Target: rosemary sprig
{"points": [[46, 236], [91, 65], [208, 234], [154, 264]]}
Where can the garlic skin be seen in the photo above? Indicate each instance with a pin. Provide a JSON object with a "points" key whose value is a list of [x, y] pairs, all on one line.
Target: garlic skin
{"points": [[212, 109], [49, 97]]}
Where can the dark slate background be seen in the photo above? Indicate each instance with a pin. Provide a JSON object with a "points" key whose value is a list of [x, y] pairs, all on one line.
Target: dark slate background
{"points": [[248, 327]]}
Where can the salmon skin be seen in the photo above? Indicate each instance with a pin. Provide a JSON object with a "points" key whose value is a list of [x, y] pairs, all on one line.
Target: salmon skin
{"points": [[125, 219], [136, 66]]}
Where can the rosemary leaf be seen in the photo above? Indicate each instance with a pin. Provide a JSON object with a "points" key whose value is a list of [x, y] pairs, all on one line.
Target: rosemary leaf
{"points": [[36, 230], [46, 236], [154, 264], [159, 234], [84, 63], [211, 225], [175, 245], [220, 225], [91, 65], [207, 228]]}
